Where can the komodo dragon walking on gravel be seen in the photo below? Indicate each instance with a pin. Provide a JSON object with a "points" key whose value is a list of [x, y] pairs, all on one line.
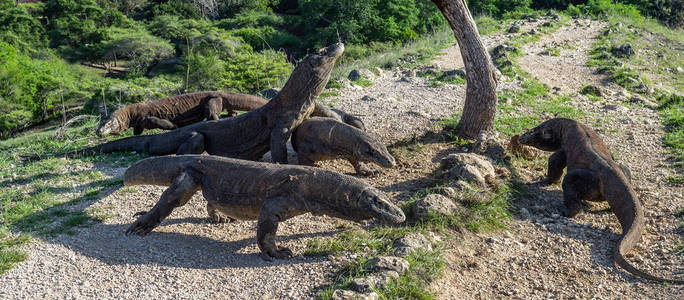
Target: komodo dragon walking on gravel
{"points": [[182, 110], [324, 138], [249, 135], [249, 190], [177, 111], [592, 175]]}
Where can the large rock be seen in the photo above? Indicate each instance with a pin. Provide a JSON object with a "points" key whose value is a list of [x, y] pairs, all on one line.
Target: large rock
{"points": [[470, 167], [361, 73], [351, 295], [434, 204], [410, 243]]}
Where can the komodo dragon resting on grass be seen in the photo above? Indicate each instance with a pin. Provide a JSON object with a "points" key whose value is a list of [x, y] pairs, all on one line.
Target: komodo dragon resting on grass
{"points": [[182, 110], [592, 175], [177, 111], [249, 135], [324, 138], [249, 190]]}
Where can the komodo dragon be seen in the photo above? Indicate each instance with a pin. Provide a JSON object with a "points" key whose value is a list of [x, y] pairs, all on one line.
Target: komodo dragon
{"points": [[177, 111], [592, 175], [324, 138], [249, 135], [182, 110], [249, 190]]}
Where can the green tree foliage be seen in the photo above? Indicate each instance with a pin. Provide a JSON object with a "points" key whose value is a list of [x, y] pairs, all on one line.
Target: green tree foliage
{"points": [[261, 29], [363, 21], [497, 8], [30, 88], [250, 72], [80, 24], [141, 49], [20, 28]]}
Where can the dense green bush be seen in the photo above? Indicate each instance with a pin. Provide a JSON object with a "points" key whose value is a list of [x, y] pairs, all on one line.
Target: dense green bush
{"points": [[141, 49], [252, 72], [20, 28], [497, 8], [30, 88], [261, 30], [363, 21]]}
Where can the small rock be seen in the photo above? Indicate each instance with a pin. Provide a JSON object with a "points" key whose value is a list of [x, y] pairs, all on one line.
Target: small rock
{"points": [[532, 31], [488, 144], [351, 295], [361, 73], [454, 73], [361, 285], [410, 243], [680, 70], [434, 203], [389, 263], [624, 50], [546, 24], [270, 93], [643, 101], [379, 71], [450, 192], [514, 28], [591, 90], [368, 98]]}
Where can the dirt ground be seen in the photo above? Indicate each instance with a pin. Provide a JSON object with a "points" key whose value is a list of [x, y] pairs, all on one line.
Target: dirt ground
{"points": [[540, 256]]}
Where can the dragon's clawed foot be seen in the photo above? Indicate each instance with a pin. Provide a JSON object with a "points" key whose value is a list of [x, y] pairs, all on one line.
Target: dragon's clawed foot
{"points": [[144, 225], [279, 253]]}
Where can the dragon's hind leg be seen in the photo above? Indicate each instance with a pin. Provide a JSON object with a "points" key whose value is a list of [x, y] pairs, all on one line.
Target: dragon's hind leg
{"points": [[578, 185], [180, 191]]}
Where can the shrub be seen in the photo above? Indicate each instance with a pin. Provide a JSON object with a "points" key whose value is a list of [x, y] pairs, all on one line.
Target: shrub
{"points": [[250, 72], [20, 29]]}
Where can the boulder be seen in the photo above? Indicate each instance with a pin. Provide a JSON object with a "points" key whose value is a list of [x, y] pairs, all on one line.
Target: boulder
{"points": [[470, 167], [515, 28], [410, 243], [434, 204]]}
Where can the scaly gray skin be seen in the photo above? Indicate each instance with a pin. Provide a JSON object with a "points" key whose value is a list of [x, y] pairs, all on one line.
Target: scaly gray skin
{"points": [[182, 110], [249, 135], [319, 139], [249, 190], [177, 111], [592, 175]]}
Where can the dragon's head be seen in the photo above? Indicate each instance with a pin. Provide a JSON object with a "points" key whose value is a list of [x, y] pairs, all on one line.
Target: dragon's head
{"points": [[113, 124], [376, 205], [546, 136]]}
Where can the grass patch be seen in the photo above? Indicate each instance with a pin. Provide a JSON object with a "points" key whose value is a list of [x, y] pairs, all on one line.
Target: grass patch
{"points": [[363, 82], [653, 42], [39, 197], [328, 94]]}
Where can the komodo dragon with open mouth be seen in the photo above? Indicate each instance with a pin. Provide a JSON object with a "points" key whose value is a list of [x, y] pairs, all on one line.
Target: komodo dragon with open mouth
{"points": [[249, 190], [182, 110], [592, 175], [249, 135]]}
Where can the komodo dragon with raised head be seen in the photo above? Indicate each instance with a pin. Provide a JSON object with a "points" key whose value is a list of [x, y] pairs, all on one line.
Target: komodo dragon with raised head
{"points": [[324, 138], [249, 135], [177, 111], [592, 175], [249, 190], [182, 110]]}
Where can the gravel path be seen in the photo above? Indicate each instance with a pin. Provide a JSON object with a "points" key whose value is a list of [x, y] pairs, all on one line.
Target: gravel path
{"points": [[541, 256]]}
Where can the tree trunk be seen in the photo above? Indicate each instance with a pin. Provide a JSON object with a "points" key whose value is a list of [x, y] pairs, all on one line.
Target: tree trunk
{"points": [[480, 102]]}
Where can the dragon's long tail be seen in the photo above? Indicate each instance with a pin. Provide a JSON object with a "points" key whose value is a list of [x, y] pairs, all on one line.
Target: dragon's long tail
{"points": [[157, 170]]}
